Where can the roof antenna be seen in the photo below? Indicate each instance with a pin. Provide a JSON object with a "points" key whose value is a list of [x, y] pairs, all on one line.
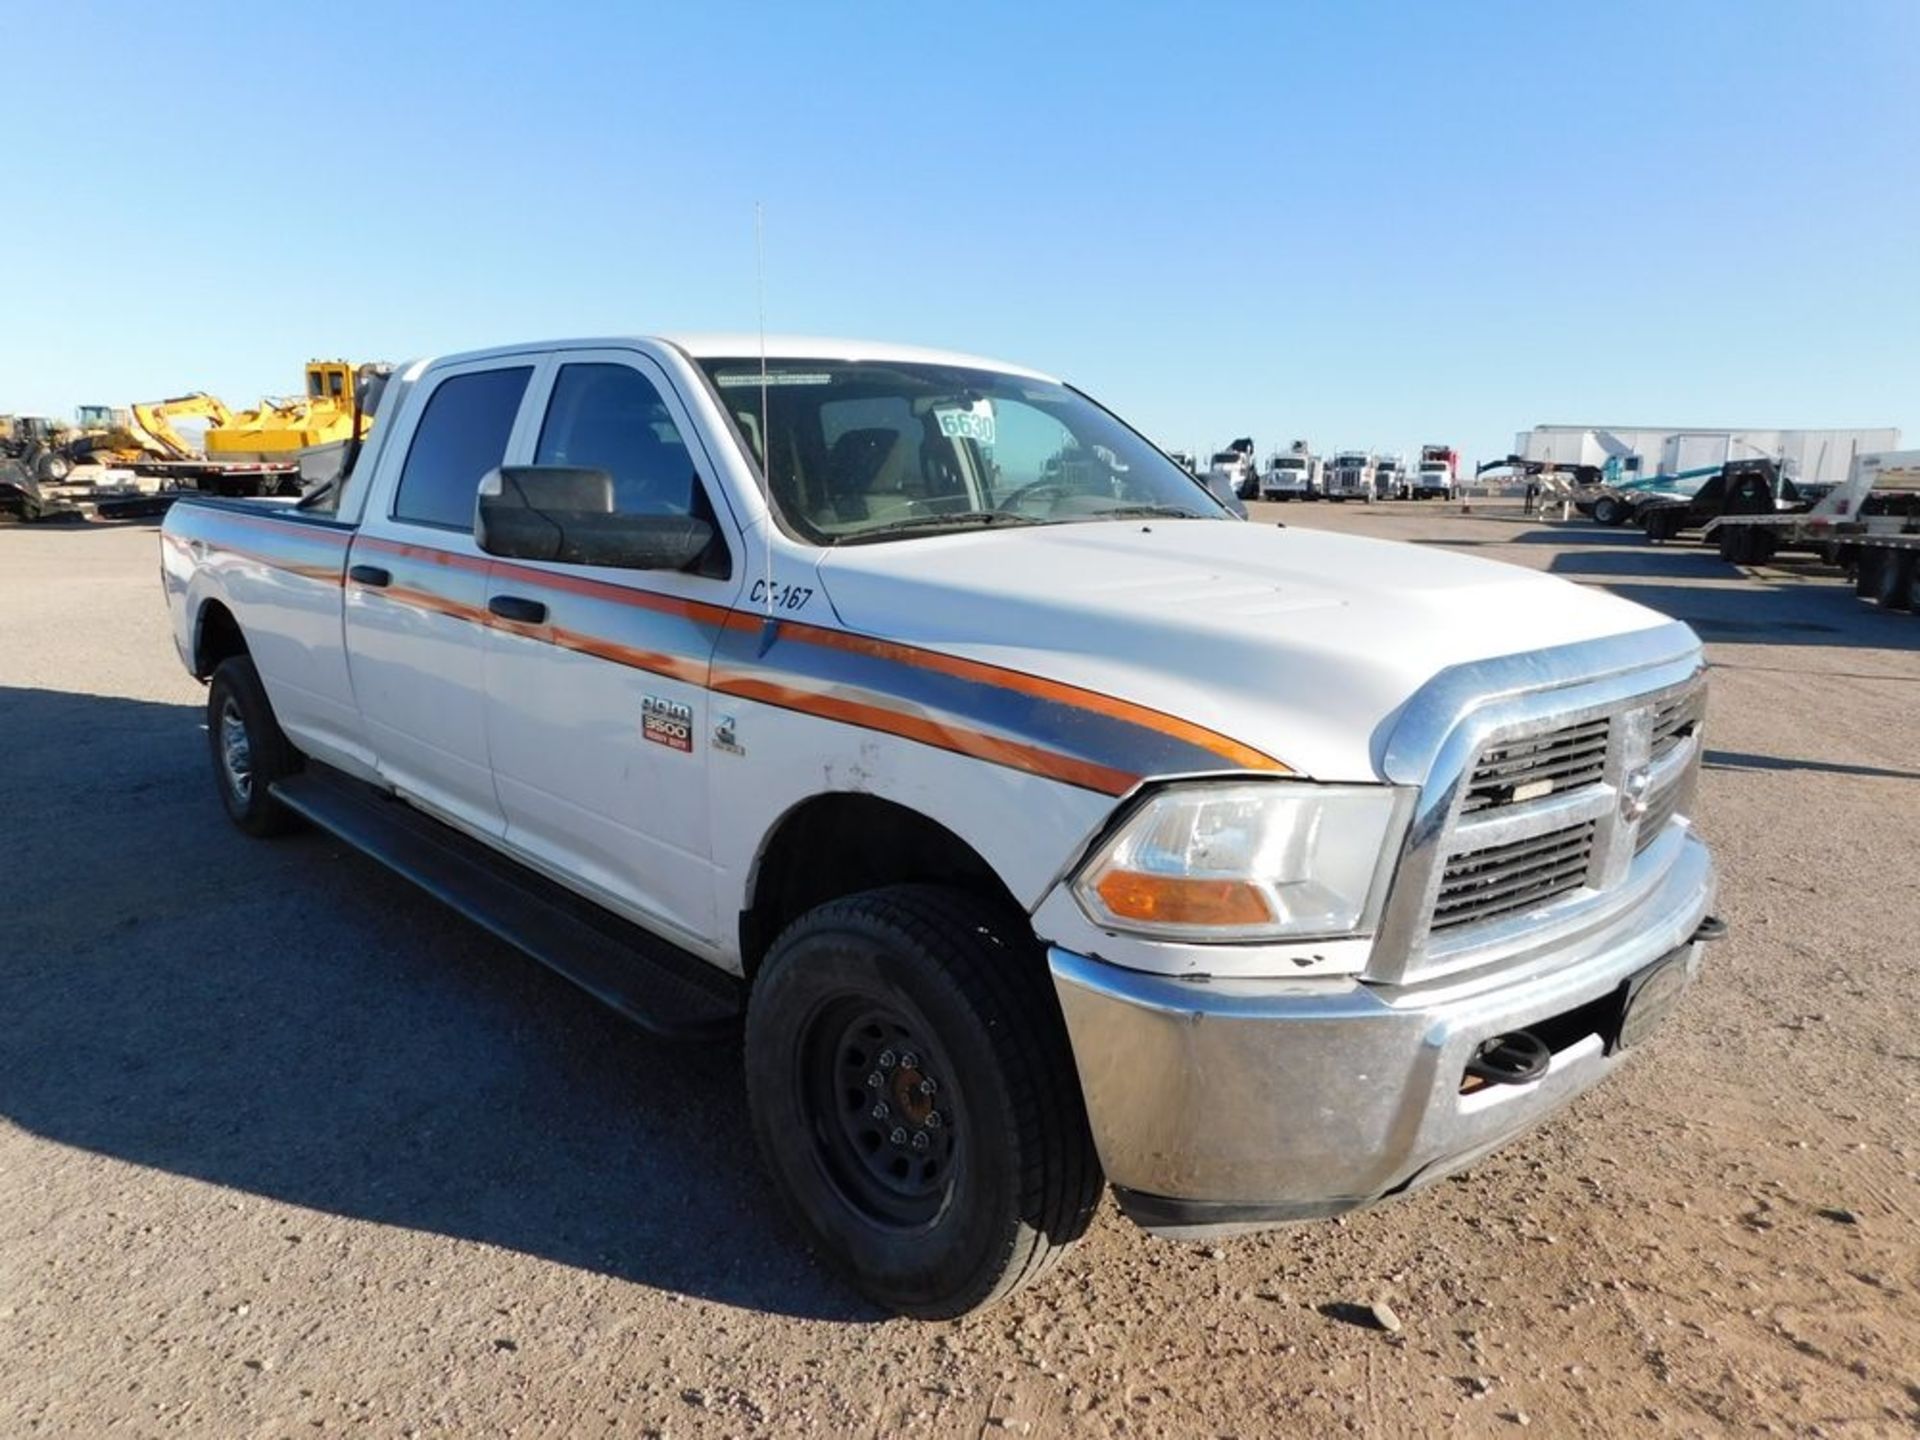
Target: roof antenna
{"points": [[766, 437]]}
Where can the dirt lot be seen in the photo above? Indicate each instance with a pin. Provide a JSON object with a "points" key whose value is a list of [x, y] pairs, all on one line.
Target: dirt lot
{"points": [[287, 1149]]}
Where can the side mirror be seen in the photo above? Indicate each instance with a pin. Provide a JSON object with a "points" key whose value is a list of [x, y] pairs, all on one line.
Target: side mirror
{"points": [[565, 513]]}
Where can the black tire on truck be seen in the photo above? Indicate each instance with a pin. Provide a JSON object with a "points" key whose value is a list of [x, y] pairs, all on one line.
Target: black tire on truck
{"points": [[913, 1093], [1866, 570], [249, 749], [1894, 590]]}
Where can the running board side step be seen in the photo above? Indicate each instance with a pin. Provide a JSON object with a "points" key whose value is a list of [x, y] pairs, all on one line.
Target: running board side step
{"points": [[660, 987]]}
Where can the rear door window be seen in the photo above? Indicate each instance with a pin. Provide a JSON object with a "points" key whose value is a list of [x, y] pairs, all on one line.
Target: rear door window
{"points": [[461, 436]]}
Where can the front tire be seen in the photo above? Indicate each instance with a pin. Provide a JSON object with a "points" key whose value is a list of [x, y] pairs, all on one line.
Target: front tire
{"points": [[250, 752], [1608, 511], [914, 1095]]}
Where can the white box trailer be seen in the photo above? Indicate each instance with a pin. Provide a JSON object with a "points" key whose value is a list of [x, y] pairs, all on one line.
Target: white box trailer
{"points": [[1629, 452]]}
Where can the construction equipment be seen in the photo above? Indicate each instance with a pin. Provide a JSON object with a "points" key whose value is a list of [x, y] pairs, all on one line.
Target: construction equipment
{"points": [[280, 429], [154, 423], [38, 444]]}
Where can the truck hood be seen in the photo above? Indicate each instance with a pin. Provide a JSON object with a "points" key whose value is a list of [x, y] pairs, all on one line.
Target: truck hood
{"points": [[1301, 643]]}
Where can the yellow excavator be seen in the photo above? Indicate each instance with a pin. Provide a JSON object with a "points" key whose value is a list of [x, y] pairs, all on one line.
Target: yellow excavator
{"points": [[278, 429], [153, 432]]}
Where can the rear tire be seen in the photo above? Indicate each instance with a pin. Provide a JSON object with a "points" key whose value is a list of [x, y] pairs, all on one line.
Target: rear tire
{"points": [[249, 750], [1608, 511], [914, 1095], [1894, 585], [1662, 526]]}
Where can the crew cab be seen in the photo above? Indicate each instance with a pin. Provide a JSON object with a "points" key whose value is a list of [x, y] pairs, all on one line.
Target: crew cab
{"points": [[879, 706]]}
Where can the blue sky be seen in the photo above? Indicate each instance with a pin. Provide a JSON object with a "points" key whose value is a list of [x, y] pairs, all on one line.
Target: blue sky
{"points": [[1365, 224]]}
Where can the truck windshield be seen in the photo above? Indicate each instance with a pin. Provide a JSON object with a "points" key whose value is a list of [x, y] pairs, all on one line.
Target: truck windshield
{"points": [[1289, 464], [866, 450], [873, 449]]}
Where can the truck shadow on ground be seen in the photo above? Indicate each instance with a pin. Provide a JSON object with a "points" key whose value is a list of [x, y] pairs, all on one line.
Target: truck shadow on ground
{"points": [[1738, 760], [289, 1020]]}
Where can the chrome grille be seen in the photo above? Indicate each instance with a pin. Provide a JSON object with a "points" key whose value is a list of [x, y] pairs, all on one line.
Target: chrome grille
{"points": [[1506, 879], [1675, 718], [1515, 771], [1660, 809]]}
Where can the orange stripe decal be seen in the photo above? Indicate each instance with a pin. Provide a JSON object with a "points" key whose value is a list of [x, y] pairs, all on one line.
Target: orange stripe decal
{"points": [[1011, 753], [1244, 757]]}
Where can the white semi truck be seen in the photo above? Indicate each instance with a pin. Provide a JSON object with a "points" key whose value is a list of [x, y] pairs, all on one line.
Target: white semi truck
{"points": [[1390, 479], [1351, 476], [1439, 473], [1294, 475]]}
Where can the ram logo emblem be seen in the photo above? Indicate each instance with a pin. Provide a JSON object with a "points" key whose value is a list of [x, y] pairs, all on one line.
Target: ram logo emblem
{"points": [[1634, 793]]}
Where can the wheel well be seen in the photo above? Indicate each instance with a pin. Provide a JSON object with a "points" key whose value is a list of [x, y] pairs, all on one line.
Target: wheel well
{"points": [[841, 844], [218, 639]]}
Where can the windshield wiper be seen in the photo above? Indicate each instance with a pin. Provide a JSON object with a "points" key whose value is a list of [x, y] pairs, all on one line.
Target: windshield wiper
{"points": [[958, 520], [1143, 512]]}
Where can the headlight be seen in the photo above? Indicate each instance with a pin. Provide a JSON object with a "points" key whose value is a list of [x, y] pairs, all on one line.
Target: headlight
{"points": [[1281, 860]]}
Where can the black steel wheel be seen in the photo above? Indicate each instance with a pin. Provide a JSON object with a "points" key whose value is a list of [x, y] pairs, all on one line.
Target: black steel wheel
{"points": [[887, 1130], [914, 1096]]}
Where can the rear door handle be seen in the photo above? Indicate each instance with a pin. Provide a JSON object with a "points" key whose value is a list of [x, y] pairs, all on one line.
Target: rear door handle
{"points": [[369, 575], [512, 607]]}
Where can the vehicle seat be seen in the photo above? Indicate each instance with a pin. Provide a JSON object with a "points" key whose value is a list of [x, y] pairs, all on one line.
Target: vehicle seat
{"points": [[865, 475]]}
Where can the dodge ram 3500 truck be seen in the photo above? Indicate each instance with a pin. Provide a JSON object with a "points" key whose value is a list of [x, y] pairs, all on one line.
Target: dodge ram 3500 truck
{"points": [[1039, 826]]}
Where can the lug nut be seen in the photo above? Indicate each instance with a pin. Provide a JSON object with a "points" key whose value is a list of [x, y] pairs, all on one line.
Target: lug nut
{"points": [[920, 1140], [899, 1136], [887, 1060], [875, 1080], [927, 1087], [910, 1060], [881, 1111], [933, 1121]]}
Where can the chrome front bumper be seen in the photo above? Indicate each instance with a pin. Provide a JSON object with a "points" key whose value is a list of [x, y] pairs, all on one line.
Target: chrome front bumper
{"points": [[1223, 1105]]}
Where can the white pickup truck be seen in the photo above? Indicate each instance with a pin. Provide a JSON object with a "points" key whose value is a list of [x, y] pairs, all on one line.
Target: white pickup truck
{"points": [[1040, 828]]}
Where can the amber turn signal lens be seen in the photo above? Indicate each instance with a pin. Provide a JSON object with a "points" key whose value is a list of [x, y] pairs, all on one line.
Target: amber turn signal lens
{"points": [[1177, 900]]}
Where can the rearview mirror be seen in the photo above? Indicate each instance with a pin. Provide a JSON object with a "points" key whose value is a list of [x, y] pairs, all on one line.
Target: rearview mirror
{"points": [[566, 513]]}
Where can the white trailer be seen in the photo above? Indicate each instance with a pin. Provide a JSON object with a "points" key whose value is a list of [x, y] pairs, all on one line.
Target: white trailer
{"points": [[1870, 526], [1641, 452]]}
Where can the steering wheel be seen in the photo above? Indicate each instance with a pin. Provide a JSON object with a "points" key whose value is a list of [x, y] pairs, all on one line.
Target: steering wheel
{"points": [[1058, 488]]}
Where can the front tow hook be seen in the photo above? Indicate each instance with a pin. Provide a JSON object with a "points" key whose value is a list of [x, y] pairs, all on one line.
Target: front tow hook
{"points": [[1517, 1058], [1712, 928]]}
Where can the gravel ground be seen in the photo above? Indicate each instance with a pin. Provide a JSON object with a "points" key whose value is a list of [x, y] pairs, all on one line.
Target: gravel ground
{"points": [[285, 1148]]}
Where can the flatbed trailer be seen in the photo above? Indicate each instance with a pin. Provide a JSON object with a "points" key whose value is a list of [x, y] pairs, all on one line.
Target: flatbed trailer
{"points": [[244, 479], [1869, 526]]}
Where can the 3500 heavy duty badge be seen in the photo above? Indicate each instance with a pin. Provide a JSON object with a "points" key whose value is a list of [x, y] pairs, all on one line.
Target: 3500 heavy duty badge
{"points": [[667, 722]]}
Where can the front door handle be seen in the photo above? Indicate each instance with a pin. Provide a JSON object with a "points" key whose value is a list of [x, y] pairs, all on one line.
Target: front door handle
{"points": [[370, 575], [512, 607]]}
